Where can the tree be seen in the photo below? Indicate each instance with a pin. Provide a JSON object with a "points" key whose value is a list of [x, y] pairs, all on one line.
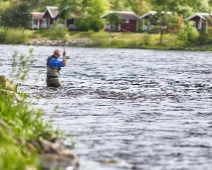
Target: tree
{"points": [[119, 5], [84, 10], [16, 15], [139, 6], [188, 33], [114, 20], [184, 7], [167, 22]]}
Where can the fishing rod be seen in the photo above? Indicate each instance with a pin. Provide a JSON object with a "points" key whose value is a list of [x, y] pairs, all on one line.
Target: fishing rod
{"points": [[63, 39]]}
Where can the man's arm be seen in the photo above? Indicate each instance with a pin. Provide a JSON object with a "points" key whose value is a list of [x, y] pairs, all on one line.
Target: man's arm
{"points": [[64, 59]]}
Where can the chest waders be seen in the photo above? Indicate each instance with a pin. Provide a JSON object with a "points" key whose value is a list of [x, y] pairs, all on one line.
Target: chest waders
{"points": [[52, 79]]}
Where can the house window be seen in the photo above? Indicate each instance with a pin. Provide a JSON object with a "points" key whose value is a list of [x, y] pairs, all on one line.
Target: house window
{"points": [[127, 21], [35, 21]]}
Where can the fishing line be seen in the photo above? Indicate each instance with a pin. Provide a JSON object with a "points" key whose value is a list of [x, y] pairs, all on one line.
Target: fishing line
{"points": [[62, 36]]}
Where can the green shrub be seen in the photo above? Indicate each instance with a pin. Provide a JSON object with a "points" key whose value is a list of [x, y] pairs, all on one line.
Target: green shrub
{"points": [[203, 38], [188, 33], [20, 123], [146, 39], [95, 24], [100, 38], [58, 31], [116, 43], [91, 32], [82, 25], [13, 154], [3, 34], [154, 30], [15, 36]]}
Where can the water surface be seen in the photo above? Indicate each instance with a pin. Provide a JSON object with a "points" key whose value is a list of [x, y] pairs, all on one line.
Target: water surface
{"points": [[128, 108]]}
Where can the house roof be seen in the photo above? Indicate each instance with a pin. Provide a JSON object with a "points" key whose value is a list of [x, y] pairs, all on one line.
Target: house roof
{"points": [[152, 13], [201, 15], [123, 15], [147, 14], [53, 11], [37, 15]]}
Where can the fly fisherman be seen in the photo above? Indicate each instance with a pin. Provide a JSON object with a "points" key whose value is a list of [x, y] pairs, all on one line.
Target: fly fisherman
{"points": [[53, 69]]}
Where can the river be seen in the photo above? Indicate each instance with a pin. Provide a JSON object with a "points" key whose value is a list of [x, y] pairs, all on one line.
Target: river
{"points": [[128, 109]]}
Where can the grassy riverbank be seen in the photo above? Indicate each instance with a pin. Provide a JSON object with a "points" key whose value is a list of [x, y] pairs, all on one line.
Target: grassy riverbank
{"points": [[104, 39], [185, 39], [26, 140], [18, 124]]}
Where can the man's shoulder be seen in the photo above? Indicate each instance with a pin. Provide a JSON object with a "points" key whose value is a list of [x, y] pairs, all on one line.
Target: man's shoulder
{"points": [[52, 58]]}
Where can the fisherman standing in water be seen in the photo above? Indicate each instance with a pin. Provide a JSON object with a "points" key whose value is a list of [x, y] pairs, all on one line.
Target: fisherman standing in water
{"points": [[53, 69]]}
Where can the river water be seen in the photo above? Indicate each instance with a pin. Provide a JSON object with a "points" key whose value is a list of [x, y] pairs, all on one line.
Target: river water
{"points": [[128, 109]]}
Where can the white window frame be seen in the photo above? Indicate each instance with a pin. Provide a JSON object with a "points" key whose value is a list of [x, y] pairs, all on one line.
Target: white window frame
{"points": [[127, 21]]}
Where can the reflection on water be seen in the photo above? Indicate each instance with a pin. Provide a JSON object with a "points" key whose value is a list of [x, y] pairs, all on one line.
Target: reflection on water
{"points": [[129, 109]]}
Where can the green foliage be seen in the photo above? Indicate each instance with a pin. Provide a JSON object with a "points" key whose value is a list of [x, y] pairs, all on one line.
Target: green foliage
{"points": [[115, 43], [85, 8], [147, 40], [95, 24], [12, 36], [188, 33], [203, 37], [20, 123], [91, 23], [82, 25], [58, 31], [118, 5], [3, 34], [13, 155], [21, 65], [15, 15], [139, 6], [15, 36], [114, 20], [100, 38], [184, 7], [88, 13], [154, 29], [166, 22], [96, 8]]}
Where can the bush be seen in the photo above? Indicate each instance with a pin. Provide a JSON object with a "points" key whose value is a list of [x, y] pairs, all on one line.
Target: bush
{"points": [[95, 24], [116, 43], [154, 30], [58, 31], [3, 34], [188, 33], [100, 38], [15, 36], [82, 25], [20, 123], [203, 37], [146, 39]]}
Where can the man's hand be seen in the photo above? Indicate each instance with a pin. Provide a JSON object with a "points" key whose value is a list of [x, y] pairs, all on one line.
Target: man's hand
{"points": [[64, 59]]}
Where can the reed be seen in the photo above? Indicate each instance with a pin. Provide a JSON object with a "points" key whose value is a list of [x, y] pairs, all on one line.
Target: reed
{"points": [[20, 123]]}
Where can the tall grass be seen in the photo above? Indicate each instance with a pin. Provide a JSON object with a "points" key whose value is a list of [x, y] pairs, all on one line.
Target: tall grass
{"points": [[20, 123], [99, 38], [17, 124], [3, 33], [58, 32], [12, 36]]}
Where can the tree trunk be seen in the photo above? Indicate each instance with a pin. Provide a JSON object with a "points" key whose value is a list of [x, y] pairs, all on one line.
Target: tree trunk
{"points": [[161, 36]]}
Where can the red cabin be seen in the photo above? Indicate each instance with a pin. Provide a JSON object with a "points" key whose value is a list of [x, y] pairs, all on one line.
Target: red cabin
{"points": [[129, 22]]}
